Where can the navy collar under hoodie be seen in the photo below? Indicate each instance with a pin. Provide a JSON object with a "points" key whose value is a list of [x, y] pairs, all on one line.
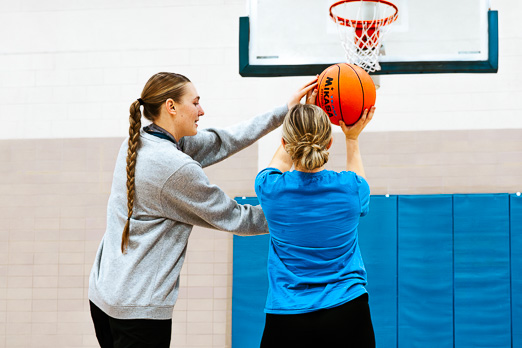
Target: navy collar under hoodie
{"points": [[156, 130]]}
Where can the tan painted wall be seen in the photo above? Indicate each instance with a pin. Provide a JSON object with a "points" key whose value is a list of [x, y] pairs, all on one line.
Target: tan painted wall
{"points": [[53, 196]]}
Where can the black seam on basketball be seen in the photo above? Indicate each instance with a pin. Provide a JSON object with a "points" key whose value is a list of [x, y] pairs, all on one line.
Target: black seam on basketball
{"points": [[362, 90], [339, 91], [318, 86]]}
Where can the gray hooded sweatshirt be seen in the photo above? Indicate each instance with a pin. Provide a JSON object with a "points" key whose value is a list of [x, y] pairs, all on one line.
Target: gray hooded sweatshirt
{"points": [[172, 194]]}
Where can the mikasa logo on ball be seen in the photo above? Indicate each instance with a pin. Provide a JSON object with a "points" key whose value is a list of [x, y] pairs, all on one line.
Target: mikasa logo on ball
{"points": [[328, 100]]}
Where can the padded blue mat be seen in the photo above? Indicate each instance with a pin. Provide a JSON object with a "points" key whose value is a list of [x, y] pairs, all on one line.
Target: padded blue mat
{"points": [[516, 268], [425, 271], [378, 243], [249, 287], [482, 296], [443, 271]]}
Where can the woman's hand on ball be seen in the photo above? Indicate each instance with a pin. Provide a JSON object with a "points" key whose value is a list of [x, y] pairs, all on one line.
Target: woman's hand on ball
{"points": [[311, 96], [301, 92]]}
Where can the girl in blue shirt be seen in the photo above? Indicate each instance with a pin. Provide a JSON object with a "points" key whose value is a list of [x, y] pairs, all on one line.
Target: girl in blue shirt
{"points": [[317, 295]]}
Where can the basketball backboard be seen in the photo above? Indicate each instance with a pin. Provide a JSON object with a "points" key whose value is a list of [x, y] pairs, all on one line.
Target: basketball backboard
{"points": [[294, 38]]}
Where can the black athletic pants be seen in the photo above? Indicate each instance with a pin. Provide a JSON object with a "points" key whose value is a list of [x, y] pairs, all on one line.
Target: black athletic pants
{"points": [[348, 325], [130, 333]]}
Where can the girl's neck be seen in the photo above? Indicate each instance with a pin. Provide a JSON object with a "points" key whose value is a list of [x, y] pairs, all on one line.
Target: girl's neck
{"points": [[299, 169]]}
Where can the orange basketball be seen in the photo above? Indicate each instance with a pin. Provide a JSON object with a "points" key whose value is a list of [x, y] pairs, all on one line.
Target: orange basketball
{"points": [[344, 92]]}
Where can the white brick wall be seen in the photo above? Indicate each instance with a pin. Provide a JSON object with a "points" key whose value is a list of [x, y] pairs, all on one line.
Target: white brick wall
{"points": [[72, 68]]}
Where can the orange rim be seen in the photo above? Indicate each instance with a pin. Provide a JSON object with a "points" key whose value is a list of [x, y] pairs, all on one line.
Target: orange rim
{"points": [[364, 24]]}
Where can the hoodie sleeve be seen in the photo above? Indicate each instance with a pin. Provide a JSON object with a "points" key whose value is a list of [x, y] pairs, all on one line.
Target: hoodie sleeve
{"points": [[212, 145], [187, 196]]}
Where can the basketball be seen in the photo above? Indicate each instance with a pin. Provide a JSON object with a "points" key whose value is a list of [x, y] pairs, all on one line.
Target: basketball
{"points": [[344, 92]]}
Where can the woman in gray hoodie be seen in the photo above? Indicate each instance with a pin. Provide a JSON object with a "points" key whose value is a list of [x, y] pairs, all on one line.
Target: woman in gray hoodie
{"points": [[159, 192]]}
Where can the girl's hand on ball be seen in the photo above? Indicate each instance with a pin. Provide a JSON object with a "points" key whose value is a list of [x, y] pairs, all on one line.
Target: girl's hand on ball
{"points": [[352, 132]]}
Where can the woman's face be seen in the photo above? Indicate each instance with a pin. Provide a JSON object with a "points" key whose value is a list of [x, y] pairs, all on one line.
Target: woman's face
{"points": [[188, 112]]}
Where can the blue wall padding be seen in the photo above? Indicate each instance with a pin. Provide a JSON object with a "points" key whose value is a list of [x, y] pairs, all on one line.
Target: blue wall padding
{"points": [[249, 289], [249, 286], [378, 243], [443, 271], [516, 268], [425, 271], [481, 266]]}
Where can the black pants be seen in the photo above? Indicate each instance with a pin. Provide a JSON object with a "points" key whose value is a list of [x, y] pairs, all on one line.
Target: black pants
{"points": [[348, 325], [130, 333]]}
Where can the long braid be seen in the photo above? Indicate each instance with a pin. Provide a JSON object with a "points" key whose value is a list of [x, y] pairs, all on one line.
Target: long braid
{"points": [[157, 90], [134, 138]]}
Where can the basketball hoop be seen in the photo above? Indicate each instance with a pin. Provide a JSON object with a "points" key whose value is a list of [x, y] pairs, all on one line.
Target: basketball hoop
{"points": [[361, 25]]}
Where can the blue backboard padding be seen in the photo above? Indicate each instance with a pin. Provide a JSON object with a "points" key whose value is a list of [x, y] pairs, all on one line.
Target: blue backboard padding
{"points": [[378, 243], [443, 271], [481, 268], [516, 268], [425, 271]]}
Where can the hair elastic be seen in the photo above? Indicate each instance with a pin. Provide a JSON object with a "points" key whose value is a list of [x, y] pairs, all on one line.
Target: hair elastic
{"points": [[141, 101]]}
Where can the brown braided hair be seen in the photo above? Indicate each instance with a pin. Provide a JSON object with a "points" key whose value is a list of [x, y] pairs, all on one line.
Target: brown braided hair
{"points": [[307, 132], [157, 90]]}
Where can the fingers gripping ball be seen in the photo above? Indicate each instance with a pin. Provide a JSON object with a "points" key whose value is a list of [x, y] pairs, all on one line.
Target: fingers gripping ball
{"points": [[344, 92]]}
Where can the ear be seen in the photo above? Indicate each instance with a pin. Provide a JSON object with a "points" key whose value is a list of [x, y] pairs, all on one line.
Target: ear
{"points": [[170, 106], [283, 142], [330, 143]]}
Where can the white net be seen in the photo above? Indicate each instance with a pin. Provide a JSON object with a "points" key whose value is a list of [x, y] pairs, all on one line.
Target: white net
{"points": [[361, 25]]}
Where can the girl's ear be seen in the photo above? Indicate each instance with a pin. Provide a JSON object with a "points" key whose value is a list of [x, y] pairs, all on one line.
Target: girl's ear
{"points": [[330, 143]]}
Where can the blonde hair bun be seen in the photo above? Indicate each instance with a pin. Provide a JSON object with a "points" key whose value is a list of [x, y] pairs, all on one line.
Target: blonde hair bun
{"points": [[307, 132]]}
